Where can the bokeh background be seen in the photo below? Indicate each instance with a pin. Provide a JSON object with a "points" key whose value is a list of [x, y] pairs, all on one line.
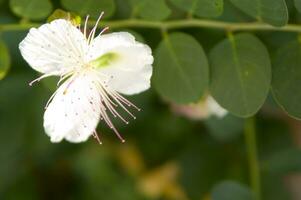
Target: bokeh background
{"points": [[171, 152]]}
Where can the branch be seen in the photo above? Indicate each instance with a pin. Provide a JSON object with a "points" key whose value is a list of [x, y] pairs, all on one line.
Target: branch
{"points": [[174, 24]]}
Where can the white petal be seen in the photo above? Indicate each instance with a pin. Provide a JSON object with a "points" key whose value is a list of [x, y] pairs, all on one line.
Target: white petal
{"points": [[214, 108], [106, 42], [131, 72], [129, 82], [74, 112], [54, 48]]}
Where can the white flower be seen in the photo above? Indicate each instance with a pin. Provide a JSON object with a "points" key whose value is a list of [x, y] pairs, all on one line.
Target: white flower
{"points": [[204, 109], [214, 109], [94, 71]]}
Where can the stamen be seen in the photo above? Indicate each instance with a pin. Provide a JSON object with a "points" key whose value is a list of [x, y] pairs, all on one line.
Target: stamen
{"points": [[122, 106], [116, 98], [40, 78], [96, 136], [92, 33], [108, 103], [106, 96], [118, 135], [103, 30], [49, 100], [120, 97], [120, 100], [85, 27], [103, 104], [68, 85], [109, 123], [63, 77]]}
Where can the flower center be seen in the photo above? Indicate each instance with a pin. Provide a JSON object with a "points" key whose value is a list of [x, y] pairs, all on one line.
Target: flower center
{"points": [[104, 60]]}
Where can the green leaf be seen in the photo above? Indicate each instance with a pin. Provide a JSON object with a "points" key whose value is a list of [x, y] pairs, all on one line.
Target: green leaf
{"points": [[90, 7], [31, 9], [4, 60], [230, 190], [200, 8], [298, 5], [240, 74], [150, 9], [283, 162], [273, 12], [232, 14], [287, 78], [181, 69]]}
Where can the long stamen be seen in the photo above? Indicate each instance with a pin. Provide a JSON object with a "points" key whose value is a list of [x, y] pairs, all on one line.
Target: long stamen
{"points": [[69, 84], [92, 33], [127, 101], [120, 100], [85, 27], [114, 112], [103, 30], [108, 103], [124, 100], [124, 108], [63, 77], [40, 78], [110, 100], [96, 136], [96, 24], [108, 121], [118, 135], [49, 100], [120, 104]]}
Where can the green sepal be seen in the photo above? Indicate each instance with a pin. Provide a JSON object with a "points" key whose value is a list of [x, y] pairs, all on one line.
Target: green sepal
{"points": [[61, 14]]}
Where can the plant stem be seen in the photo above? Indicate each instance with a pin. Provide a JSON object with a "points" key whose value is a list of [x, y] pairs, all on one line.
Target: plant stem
{"points": [[174, 24], [250, 137]]}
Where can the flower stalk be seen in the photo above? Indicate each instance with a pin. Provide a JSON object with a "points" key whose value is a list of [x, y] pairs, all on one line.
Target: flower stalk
{"points": [[251, 147]]}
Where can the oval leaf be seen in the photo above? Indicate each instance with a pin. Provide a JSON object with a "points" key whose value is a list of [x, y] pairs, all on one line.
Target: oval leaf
{"points": [[241, 74], [200, 8], [298, 5], [145, 9], [181, 69], [230, 190], [287, 78], [31, 9], [4, 60], [90, 7], [273, 12]]}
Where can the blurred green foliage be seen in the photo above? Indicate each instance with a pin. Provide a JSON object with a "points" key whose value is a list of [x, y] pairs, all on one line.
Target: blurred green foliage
{"points": [[167, 155]]}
